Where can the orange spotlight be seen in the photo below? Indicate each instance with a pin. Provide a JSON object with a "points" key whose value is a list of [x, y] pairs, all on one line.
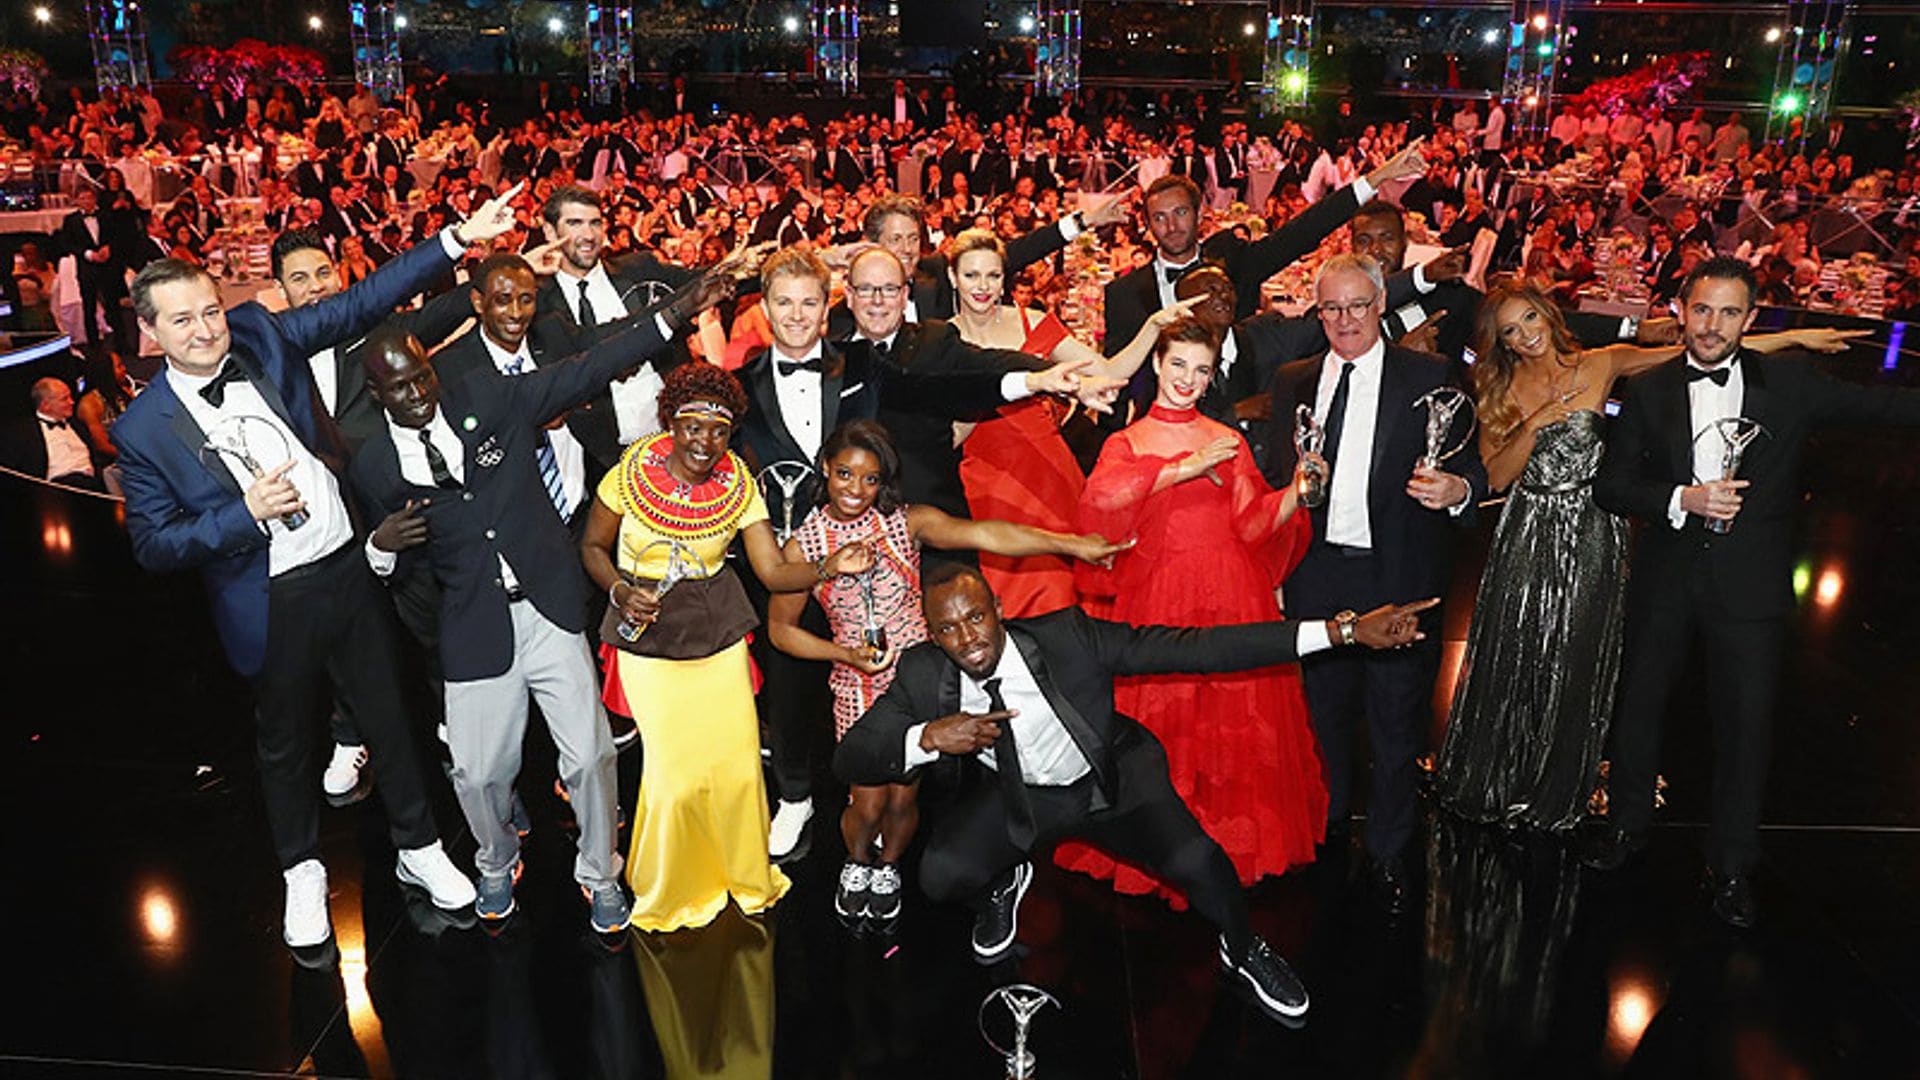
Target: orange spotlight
{"points": [[158, 916], [1832, 584]]}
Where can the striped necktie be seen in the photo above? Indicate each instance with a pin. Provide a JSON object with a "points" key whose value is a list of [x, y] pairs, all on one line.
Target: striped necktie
{"points": [[549, 462]]}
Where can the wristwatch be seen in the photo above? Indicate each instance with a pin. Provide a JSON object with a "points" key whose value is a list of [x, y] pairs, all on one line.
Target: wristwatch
{"points": [[1345, 622]]}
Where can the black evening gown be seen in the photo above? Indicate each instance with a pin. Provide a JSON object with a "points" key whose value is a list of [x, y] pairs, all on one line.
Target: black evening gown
{"points": [[1543, 655]]}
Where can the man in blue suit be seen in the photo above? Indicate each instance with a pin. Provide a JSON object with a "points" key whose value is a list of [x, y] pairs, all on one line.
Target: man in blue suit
{"points": [[264, 523]]}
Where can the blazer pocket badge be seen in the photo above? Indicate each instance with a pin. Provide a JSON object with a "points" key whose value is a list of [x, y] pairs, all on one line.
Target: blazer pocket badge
{"points": [[489, 454]]}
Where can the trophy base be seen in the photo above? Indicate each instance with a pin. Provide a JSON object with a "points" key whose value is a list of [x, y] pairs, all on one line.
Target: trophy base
{"points": [[1021, 1066]]}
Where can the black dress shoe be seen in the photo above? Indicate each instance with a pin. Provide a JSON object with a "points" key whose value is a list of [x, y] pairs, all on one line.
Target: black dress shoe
{"points": [[1610, 847], [999, 922], [1389, 882], [1733, 901], [1267, 979]]}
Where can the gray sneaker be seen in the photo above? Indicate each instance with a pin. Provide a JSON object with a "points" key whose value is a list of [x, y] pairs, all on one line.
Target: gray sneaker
{"points": [[495, 897], [610, 908]]}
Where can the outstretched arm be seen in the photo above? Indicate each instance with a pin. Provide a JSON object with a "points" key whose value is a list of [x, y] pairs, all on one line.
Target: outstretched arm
{"points": [[936, 528]]}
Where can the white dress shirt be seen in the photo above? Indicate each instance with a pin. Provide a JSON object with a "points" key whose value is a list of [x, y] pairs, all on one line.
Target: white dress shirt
{"points": [[417, 470], [328, 526], [636, 398], [1707, 403], [1348, 523], [566, 449], [799, 397], [66, 452], [326, 376]]}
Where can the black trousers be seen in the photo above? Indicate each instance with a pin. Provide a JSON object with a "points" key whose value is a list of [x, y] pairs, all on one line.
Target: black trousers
{"points": [[1743, 658], [1388, 691], [795, 704], [327, 622], [1147, 825]]}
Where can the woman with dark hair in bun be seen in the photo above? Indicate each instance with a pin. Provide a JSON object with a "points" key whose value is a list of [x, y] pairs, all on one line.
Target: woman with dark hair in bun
{"points": [[860, 503], [678, 618]]}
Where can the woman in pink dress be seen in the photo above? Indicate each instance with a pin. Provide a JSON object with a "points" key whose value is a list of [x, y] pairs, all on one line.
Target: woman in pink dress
{"points": [[862, 503], [1212, 543]]}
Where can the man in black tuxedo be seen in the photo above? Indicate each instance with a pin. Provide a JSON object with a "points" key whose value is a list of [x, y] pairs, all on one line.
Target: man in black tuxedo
{"points": [[838, 165], [1439, 297], [96, 239], [801, 388], [1173, 206], [1733, 590], [514, 600], [1385, 531], [580, 289], [51, 445], [1024, 710]]}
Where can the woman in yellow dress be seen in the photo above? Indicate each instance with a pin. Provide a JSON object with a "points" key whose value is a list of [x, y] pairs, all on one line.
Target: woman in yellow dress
{"points": [[678, 621]]}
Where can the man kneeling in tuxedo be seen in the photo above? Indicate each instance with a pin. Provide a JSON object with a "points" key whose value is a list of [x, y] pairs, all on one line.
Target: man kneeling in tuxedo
{"points": [[1060, 763]]}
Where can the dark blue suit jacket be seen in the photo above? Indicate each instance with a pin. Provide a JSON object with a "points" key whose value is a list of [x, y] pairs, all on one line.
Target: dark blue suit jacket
{"points": [[184, 511]]}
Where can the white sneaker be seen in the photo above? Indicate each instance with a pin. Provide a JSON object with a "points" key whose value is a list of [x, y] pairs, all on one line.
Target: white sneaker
{"points": [[306, 923], [343, 772], [430, 869], [789, 825]]}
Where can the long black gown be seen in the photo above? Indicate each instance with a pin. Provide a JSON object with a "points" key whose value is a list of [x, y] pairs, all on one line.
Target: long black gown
{"points": [[1536, 688]]}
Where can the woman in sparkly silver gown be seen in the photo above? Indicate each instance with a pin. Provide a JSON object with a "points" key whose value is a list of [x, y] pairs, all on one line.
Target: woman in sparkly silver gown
{"points": [[1536, 688]]}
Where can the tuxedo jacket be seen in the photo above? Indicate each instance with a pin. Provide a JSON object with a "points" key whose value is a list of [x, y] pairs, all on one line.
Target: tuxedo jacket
{"points": [[855, 385], [492, 514], [1134, 296], [1075, 659], [1650, 452], [24, 444], [115, 235], [185, 512], [1412, 543], [933, 292]]}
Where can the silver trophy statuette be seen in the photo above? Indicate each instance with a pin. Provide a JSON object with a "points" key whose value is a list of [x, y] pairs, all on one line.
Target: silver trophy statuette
{"points": [[1310, 438], [1443, 404], [682, 563], [1022, 1001], [787, 476], [1735, 434], [246, 439], [872, 634]]}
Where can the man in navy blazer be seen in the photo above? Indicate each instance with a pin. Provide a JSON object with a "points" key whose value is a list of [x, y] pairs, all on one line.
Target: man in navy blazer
{"points": [[272, 538]]}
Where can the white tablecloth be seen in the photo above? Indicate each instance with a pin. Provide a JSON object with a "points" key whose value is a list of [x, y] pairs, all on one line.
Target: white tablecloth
{"points": [[33, 221]]}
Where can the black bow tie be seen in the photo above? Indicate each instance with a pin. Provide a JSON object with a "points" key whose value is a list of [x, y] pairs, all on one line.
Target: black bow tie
{"points": [[788, 367], [1174, 273], [1719, 375], [53, 424], [216, 391]]}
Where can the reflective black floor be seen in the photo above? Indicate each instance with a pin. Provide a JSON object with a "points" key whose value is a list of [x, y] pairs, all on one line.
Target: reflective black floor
{"points": [[142, 905]]}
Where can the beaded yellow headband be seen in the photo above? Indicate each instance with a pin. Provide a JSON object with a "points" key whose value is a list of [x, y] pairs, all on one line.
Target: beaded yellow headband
{"points": [[704, 408]]}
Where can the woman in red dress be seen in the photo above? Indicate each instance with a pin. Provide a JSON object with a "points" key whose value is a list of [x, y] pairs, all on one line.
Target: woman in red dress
{"points": [[1015, 466], [1214, 542]]}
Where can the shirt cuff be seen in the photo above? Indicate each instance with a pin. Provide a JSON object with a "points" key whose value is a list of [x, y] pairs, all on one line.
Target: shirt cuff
{"points": [[660, 320], [382, 562], [1461, 507], [451, 244], [1311, 637], [1629, 328], [1676, 517], [1070, 227], [1363, 190], [914, 756], [1013, 386], [1420, 281]]}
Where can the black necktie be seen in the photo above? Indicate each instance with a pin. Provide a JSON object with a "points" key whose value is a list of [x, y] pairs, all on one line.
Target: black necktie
{"points": [[1718, 375], [586, 307], [437, 462], [216, 391], [788, 367], [1006, 761], [1337, 414]]}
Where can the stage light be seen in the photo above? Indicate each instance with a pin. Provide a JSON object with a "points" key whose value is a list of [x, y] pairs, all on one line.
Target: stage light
{"points": [[791, 24], [399, 22], [1831, 584], [314, 23], [1545, 48], [555, 26], [1488, 37], [1773, 34], [1295, 82], [1788, 104], [1533, 101], [1026, 24], [1539, 22], [1249, 29], [42, 14]]}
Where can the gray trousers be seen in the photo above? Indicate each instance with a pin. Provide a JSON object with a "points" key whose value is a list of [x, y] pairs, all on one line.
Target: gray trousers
{"points": [[486, 722]]}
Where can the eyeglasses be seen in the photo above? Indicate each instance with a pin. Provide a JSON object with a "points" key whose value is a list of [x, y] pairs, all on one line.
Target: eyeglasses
{"points": [[1356, 309], [868, 292]]}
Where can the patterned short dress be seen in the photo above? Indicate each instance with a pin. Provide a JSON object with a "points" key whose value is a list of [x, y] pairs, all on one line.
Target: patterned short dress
{"points": [[895, 580]]}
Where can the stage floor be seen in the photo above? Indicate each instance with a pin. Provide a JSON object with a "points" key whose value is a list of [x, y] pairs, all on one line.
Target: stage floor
{"points": [[143, 904]]}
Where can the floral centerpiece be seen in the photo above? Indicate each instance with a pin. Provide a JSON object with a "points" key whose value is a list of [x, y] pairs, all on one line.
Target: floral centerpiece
{"points": [[21, 70]]}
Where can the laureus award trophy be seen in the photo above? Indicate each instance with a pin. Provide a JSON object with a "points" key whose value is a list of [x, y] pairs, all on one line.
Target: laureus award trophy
{"points": [[787, 476], [245, 439], [872, 634], [1443, 404], [1022, 1001], [1735, 434], [1310, 438], [682, 563]]}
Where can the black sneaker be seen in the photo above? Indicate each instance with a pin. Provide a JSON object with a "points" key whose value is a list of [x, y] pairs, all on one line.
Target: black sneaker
{"points": [[883, 893], [1733, 901], [1609, 847], [1273, 985], [998, 923], [850, 898]]}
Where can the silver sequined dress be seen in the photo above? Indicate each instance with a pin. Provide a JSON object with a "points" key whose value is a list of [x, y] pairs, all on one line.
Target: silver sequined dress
{"points": [[1536, 687]]}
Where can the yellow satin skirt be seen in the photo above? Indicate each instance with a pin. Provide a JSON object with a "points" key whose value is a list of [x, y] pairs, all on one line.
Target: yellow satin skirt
{"points": [[700, 823]]}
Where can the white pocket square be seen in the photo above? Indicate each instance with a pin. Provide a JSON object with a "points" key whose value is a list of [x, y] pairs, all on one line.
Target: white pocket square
{"points": [[852, 390]]}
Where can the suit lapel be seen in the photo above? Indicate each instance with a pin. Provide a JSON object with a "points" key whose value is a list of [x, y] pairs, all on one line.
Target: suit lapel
{"points": [[1756, 403], [768, 397], [832, 380], [1091, 745], [1392, 402], [181, 422], [1679, 422]]}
